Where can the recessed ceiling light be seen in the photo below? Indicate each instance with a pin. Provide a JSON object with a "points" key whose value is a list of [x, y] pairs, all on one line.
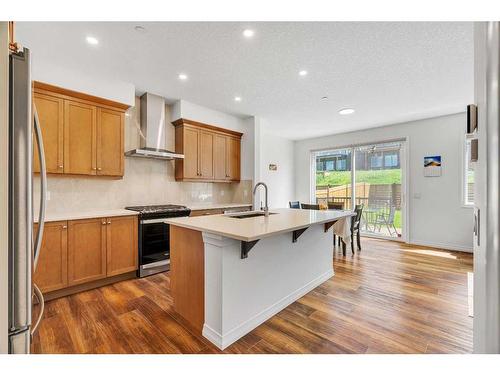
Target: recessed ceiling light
{"points": [[247, 33], [183, 77], [237, 99], [346, 111], [139, 28], [92, 40], [324, 98], [303, 73]]}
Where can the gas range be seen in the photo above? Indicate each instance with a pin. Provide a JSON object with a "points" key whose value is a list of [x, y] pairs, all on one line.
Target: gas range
{"points": [[154, 236], [160, 211]]}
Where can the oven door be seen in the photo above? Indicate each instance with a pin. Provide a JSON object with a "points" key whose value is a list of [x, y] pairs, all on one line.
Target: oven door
{"points": [[154, 247]]}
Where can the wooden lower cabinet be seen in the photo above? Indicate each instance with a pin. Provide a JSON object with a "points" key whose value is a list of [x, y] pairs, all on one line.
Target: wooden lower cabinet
{"points": [[86, 250], [52, 269], [78, 252], [121, 245]]}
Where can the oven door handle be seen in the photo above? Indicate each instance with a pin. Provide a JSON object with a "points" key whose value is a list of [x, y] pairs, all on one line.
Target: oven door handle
{"points": [[153, 221]]}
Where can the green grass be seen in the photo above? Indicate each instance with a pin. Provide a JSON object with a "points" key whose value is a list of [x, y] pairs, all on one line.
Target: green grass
{"points": [[384, 176], [397, 219]]}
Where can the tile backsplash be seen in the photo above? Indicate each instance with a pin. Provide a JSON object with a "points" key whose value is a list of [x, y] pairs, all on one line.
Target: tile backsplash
{"points": [[146, 181]]}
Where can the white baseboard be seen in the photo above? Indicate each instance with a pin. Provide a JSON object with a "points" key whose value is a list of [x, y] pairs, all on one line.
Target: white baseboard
{"points": [[223, 341], [439, 245]]}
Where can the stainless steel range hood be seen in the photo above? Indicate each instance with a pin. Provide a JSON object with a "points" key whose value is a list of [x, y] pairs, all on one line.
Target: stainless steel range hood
{"points": [[152, 130]]}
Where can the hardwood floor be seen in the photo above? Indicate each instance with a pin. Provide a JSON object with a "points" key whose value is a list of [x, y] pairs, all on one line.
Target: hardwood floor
{"points": [[388, 298]]}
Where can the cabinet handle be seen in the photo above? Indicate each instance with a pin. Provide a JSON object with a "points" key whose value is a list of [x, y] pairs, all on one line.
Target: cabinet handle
{"points": [[64, 226], [99, 169], [103, 223], [94, 168], [109, 222], [60, 166]]}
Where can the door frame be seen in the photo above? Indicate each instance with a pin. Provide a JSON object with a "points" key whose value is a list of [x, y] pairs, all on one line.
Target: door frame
{"points": [[405, 161], [4, 185]]}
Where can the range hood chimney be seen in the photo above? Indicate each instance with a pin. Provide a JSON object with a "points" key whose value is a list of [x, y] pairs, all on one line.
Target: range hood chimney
{"points": [[152, 130]]}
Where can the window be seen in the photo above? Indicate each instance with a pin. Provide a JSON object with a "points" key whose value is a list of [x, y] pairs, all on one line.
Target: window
{"points": [[341, 164], [391, 160], [376, 161], [468, 176], [329, 165]]}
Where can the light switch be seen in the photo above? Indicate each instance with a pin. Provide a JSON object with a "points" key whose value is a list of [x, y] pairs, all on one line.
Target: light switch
{"points": [[47, 195]]}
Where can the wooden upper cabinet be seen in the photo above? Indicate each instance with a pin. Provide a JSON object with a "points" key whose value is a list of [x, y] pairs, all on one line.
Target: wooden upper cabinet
{"points": [[220, 157], [80, 138], [52, 269], [211, 154], [110, 141], [121, 245], [82, 134], [191, 148], [86, 250], [206, 154], [51, 115], [233, 158]]}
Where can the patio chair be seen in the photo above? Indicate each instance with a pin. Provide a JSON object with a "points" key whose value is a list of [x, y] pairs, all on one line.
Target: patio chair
{"points": [[294, 204], [386, 218]]}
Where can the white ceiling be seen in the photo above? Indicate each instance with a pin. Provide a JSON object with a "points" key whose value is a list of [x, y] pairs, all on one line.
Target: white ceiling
{"points": [[387, 72]]}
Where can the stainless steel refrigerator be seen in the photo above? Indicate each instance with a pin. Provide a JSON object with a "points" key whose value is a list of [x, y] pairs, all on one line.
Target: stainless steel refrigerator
{"points": [[24, 245]]}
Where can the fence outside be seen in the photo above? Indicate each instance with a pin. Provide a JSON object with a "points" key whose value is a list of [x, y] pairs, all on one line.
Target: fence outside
{"points": [[364, 193]]}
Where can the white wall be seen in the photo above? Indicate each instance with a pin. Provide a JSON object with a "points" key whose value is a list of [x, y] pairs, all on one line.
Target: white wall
{"points": [[438, 217], [4, 185], [104, 87], [281, 183], [195, 112]]}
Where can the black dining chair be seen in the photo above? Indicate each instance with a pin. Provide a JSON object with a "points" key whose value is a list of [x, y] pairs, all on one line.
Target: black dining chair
{"points": [[306, 206], [335, 205], [355, 224], [295, 204]]}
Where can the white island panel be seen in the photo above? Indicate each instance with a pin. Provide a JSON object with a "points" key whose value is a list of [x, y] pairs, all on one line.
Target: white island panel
{"points": [[240, 294]]}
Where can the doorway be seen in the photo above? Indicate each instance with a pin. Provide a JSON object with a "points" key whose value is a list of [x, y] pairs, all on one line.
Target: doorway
{"points": [[372, 175]]}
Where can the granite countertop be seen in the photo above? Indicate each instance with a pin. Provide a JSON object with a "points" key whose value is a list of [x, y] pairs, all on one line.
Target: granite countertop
{"points": [[86, 215], [214, 206], [253, 228], [62, 216]]}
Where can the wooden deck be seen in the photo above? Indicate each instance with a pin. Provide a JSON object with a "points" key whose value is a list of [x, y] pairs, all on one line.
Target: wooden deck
{"points": [[388, 298]]}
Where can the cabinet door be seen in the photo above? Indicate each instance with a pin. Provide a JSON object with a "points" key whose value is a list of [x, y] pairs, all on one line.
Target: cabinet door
{"points": [[110, 142], [220, 157], [52, 269], [191, 156], [206, 155], [51, 115], [233, 159], [122, 245], [86, 250], [79, 138]]}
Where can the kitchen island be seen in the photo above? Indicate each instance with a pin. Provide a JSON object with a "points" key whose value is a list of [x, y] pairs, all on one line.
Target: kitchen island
{"points": [[230, 273]]}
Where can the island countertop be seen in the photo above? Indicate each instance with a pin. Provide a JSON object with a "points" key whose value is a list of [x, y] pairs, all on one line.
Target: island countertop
{"points": [[254, 228]]}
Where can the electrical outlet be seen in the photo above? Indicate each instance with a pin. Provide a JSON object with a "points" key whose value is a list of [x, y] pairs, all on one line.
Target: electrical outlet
{"points": [[47, 195], [245, 193], [417, 195]]}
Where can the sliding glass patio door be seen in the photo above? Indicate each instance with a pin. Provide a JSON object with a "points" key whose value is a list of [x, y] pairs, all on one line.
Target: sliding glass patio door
{"points": [[378, 176], [369, 175], [334, 178]]}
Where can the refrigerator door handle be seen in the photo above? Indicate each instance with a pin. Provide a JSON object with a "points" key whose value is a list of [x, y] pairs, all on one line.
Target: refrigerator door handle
{"points": [[43, 188], [41, 215]]}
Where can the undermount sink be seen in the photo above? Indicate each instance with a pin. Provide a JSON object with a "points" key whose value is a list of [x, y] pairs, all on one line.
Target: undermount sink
{"points": [[244, 215]]}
